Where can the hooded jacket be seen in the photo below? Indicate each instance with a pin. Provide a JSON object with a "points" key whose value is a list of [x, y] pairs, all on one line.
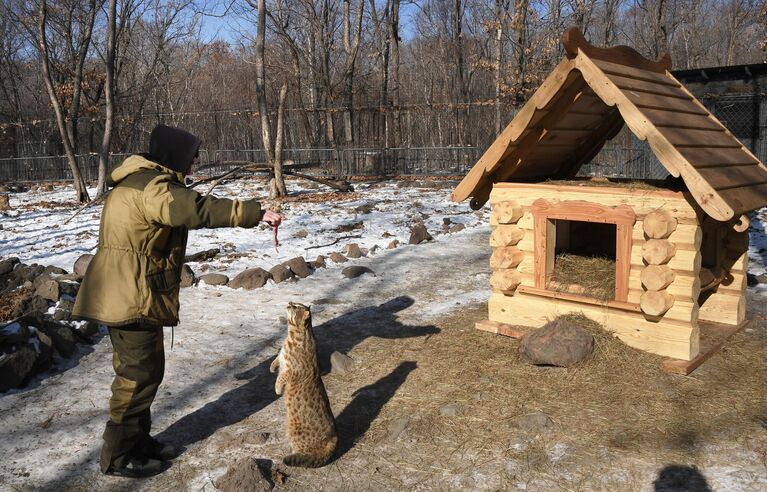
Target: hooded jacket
{"points": [[136, 272]]}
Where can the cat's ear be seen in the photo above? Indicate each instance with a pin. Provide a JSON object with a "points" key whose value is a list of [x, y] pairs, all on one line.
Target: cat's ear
{"points": [[307, 314]]}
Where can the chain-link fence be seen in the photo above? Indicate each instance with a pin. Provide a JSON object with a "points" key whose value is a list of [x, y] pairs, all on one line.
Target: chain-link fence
{"points": [[625, 156]]}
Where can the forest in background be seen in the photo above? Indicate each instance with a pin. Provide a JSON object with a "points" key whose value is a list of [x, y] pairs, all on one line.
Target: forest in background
{"points": [[80, 76]]}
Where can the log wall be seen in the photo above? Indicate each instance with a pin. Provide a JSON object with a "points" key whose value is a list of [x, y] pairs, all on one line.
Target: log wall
{"points": [[661, 312]]}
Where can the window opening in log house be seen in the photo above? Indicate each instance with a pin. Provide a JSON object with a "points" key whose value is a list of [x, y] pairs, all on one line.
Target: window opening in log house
{"points": [[583, 259]]}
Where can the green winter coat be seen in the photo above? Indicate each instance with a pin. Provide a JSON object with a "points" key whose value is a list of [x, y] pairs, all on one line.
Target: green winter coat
{"points": [[136, 272]]}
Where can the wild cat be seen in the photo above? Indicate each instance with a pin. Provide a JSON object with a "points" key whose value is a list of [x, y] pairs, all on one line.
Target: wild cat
{"points": [[311, 427]]}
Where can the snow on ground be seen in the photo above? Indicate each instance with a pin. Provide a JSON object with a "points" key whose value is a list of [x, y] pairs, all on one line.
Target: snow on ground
{"points": [[51, 429]]}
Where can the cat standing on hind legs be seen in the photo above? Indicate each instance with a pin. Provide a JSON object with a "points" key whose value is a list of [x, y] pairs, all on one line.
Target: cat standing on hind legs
{"points": [[311, 428]]}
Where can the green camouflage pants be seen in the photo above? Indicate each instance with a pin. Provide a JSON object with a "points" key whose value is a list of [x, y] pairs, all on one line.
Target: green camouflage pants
{"points": [[139, 363]]}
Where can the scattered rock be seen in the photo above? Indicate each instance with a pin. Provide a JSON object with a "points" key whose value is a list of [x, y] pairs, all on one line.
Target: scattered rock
{"points": [[419, 234], [533, 423], [356, 271], [365, 208], [215, 279], [751, 279], [392, 245], [15, 367], [457, 228], [558, 343], [446, 221], [352, 250], [397, 427], [5, 202], [298, 266], [6, 265], [329, 300], [257, 438], [303, 233], [350, 227], [187, 276], [280, 273], [319, 262], [81, 265], [44, 348], [208, 254], [452, 410], [246, 474], [340, 363], [47, 288], [762, 278], [252, 278], [336, 257]]}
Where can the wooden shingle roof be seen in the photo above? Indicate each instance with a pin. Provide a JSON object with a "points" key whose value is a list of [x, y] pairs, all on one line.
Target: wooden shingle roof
{"points": [[586, 100]]}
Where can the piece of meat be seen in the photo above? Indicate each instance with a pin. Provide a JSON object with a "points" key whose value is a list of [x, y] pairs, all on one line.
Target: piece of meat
{"points": [[276, 241]]}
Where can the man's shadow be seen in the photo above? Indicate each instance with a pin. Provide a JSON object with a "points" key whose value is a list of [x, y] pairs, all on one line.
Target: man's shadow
{"points": [[680, 478], [339, 334]]}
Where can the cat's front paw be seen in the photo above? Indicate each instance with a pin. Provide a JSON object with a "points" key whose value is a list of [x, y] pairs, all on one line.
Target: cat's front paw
{"points": [[275, 364]]}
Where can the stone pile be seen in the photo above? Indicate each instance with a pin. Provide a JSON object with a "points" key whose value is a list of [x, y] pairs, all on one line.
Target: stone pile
{"points": [[38, 302]]}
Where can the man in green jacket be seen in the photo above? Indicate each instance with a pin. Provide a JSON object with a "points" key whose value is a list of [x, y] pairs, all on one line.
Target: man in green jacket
{"points": [[132, 284]]}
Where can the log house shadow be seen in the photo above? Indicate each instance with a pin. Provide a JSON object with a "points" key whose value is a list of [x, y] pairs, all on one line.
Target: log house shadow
{"points": [[339, 334]]}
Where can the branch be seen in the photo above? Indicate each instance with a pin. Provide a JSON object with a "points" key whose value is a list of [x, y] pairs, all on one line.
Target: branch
{"points": [[334, 242]]}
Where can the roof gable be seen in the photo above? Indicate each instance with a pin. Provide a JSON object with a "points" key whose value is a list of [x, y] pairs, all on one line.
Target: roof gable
{"points": [[586, 100]]}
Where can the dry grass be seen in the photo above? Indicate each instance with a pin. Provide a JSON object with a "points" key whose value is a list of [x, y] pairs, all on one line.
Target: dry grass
{"points": [[591, 275], [10, 301], [619, 401]]}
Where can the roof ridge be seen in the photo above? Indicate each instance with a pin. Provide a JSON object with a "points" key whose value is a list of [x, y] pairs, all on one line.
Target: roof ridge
{"points": [[574, 41]]}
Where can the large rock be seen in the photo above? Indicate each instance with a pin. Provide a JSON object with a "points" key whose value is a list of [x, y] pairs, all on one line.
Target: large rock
{"points": [[281, 273], [6, 265], [252, 278], [214, 279], [81, 265], [63, 340], [69, 289], [353, 251], [457, 227], [36, 304], [17, 366], [187, 276], [51, 270], [393, 245], [299, 266], [246, 474], [356, 271], [47, 288], [14, 333], [419, 234], [44, 348], [208, 254], [558, 343]]}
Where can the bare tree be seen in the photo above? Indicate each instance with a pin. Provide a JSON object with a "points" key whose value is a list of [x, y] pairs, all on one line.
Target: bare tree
{"points": [[351, 48], [109, 94], [68, 132]]}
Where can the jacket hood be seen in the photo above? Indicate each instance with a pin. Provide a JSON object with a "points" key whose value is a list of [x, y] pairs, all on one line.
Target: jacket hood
{"points": [[136, 163], [172, 147]]}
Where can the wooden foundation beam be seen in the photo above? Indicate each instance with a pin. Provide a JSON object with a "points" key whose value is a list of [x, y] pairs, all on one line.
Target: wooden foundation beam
{"points": [[499, 328], [713, 336]]}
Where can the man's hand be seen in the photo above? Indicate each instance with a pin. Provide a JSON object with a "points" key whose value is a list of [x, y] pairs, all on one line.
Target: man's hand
{"points": [[272, 218]]}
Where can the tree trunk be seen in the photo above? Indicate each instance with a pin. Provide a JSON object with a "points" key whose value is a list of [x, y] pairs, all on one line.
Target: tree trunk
{"points": [[101, 188], [81, 189], [278, 187], [500, 10], [266, 136], [394, 79]]}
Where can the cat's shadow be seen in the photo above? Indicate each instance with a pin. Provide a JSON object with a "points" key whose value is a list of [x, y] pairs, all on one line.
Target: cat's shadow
{"points": [[338, 334]]}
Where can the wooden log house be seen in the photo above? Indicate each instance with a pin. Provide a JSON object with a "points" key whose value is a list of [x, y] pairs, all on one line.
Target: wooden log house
{"points": [[680, 252]]}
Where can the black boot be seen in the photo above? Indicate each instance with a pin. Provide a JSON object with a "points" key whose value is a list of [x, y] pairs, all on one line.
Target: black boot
{"points": [[134, 465], [150, 447]]}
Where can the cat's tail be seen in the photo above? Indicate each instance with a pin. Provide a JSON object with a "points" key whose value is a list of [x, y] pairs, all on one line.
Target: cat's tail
{"points": [[313, 460]]}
